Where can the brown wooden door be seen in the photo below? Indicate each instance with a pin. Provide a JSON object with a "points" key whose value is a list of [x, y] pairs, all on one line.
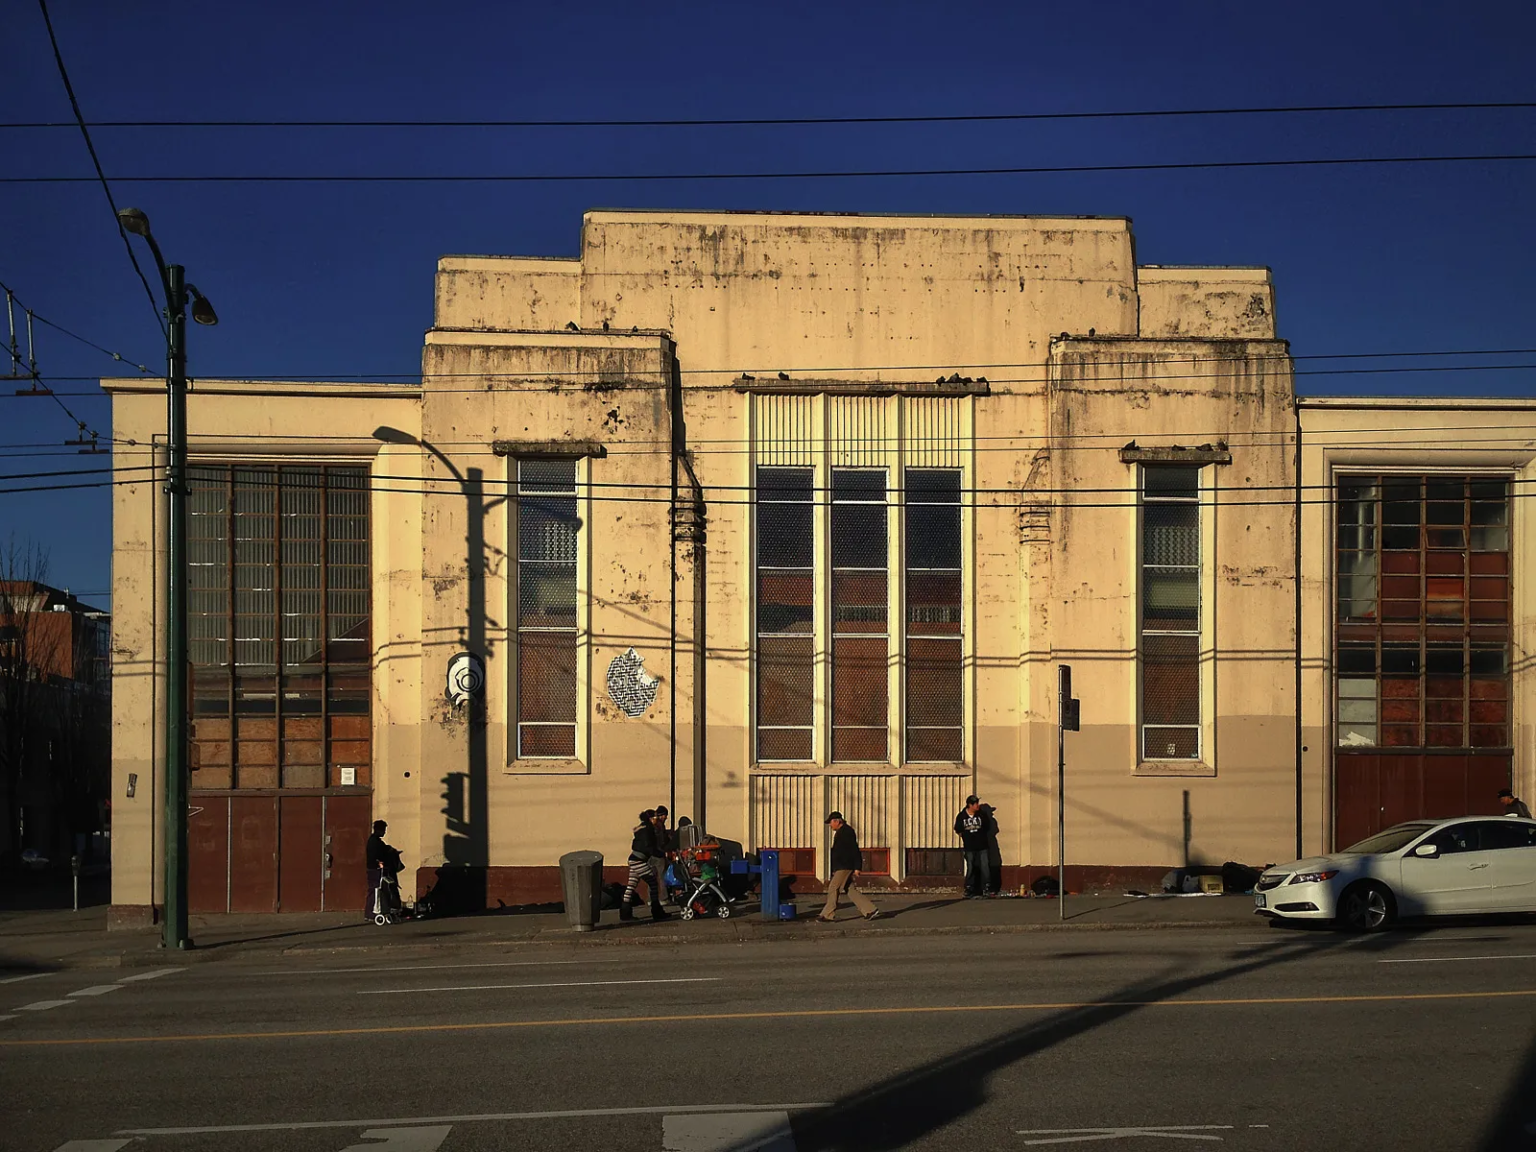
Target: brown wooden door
{"points": [[253, 849], [208, 854], [347, 820], [300, 858], [1374, 790]]}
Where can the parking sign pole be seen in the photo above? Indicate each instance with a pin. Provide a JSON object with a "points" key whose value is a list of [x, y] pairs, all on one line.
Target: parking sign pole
{"points": [[1063, 695]]}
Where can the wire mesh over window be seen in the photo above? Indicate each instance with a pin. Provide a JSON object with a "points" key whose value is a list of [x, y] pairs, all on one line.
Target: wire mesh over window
{"points": [[1170, 612], [1423, 612], [935, 711], [278, 566], [786, 597], [548, 532], [860, 633]]}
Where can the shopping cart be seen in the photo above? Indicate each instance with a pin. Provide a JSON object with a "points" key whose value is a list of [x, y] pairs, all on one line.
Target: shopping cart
{"points": [[699, 867]]}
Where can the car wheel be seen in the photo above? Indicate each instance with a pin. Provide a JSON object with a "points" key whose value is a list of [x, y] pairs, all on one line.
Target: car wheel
{"points": [[1367, 907]]}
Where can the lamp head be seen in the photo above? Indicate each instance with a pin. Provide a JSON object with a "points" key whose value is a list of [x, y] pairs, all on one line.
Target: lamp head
{"points": [[202, 311], [134, 220]]}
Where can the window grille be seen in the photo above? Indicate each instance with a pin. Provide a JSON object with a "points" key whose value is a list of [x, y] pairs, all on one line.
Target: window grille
{"points": [[548, 530], [786, 600], [1422, 611], [1170, 612], [860, 635], [278, 606], [935, 711]]}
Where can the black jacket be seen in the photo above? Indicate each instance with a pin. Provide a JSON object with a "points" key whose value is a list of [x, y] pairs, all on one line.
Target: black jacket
{"points": [[974, 831], [644, 845], [846, 856], [383, 856]]}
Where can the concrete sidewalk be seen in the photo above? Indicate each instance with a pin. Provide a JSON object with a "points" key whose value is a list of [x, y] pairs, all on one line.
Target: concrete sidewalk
{"points": [[34, 940]]}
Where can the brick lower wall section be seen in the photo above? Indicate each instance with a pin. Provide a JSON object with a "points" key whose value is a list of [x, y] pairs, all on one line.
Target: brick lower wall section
{"points": [[461, 889]]}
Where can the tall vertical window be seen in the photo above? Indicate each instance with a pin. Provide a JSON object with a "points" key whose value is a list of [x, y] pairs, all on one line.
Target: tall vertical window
{"points": [[935, 712], [786, 622], [1170, 612], [279, 626], [547, 532], [860, 632], [1423, 612]]}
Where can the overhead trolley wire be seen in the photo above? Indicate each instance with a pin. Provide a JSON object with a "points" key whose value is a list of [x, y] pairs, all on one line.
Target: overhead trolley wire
{"points": [[58, 58], [829, 174], [796, 121]]}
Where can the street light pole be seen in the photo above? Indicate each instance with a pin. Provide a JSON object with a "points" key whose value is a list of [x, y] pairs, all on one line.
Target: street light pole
{"points": [[177, 720], [177, 760]]}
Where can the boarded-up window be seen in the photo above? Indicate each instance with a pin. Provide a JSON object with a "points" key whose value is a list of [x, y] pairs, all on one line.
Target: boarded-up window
{"points": [[935, 709], [548, 531], [1170, 612], [279, 579], [860, 633], [1423, 612], [786, 596]]}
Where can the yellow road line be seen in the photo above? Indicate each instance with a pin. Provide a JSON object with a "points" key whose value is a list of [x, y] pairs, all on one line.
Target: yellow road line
{"points": [[793, 1014]]}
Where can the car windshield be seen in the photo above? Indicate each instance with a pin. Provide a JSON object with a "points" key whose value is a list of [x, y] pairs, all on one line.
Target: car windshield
{"points": [[1389, 841]]}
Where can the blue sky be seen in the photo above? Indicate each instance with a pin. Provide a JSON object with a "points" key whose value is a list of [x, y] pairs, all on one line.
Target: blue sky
{"points": [[327, 279]]}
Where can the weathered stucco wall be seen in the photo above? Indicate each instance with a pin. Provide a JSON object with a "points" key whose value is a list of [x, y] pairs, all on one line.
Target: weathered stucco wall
{"points": [[1206, 303], [1081, 352]]}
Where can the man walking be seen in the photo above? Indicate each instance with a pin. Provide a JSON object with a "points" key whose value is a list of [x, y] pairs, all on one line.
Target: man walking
{"points": [[1513, 805], [973, 826], [846, 862]]}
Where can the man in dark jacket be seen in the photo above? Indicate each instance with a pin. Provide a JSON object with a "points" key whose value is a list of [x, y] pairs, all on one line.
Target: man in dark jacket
{"points": [[1513, 805], [994, 852], [974, 826], [846, 862]]}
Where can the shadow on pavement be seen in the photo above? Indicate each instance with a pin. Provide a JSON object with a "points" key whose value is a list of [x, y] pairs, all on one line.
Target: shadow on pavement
{"points": [[903, 1109]]}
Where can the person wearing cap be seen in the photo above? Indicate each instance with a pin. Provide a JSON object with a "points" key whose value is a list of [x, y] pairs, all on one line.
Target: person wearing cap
{"points": [[662, 847], [975, 827], [1513, 805], [846, 862]]}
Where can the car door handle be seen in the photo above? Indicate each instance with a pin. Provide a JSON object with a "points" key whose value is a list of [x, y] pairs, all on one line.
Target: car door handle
{"points": [[1475, 867]]}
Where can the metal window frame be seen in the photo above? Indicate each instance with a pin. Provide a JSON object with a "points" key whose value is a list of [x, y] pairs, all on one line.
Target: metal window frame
{"points": [[515, 695], [758, 727], [1379, 478], [1198, 568], [833, 635], [908, 635]]}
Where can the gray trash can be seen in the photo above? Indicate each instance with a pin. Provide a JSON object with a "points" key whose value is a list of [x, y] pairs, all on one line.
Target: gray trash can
{"points": [[581, 882]]}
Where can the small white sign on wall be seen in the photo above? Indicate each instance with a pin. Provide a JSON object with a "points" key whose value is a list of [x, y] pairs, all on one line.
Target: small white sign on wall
{"points": [[348, 777]]}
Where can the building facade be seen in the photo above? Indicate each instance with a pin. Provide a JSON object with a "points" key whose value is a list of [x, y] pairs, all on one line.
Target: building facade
{"points": [[762, 515], [55, 727]]}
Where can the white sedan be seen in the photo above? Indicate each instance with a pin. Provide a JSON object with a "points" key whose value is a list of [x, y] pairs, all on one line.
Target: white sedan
{"points": [[1467, 866]]}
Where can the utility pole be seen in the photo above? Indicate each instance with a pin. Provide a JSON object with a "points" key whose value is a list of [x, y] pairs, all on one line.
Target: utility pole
{"points": [[1068, 719], [178, 760]]}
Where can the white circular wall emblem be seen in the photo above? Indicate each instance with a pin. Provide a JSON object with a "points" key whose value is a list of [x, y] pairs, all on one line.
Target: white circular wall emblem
{"points": [[630, 686]]}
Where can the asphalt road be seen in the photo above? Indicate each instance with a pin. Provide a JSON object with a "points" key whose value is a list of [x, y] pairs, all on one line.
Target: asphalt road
{"points": [[1251, 1040]]}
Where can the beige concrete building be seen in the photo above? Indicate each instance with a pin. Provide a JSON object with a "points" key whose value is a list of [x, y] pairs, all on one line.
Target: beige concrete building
{"points": [[762, 515]]}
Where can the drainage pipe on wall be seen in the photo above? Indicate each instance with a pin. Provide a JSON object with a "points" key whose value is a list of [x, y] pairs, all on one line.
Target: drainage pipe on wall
{"points": [[1296, 559]]}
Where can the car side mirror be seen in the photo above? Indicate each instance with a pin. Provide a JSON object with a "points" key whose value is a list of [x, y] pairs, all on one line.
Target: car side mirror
{"points": [[1428, 851]]}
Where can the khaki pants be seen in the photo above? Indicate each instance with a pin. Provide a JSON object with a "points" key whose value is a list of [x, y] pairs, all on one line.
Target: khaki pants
{"points": [[843, 882]]}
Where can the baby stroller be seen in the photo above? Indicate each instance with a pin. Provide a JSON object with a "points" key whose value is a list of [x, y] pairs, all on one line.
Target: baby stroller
{"points": [[699, 866]]}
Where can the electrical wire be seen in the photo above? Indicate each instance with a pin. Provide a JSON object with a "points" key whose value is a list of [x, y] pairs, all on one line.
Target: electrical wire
{"points": [[776, 121], [118, 356], [846, 174], [101, 176]]}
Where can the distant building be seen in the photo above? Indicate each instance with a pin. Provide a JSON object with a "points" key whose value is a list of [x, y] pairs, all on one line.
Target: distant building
{"points": [[763, 515], [55, 719]]}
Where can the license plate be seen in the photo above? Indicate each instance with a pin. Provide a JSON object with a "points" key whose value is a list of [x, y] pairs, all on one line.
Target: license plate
{"points": [[1260, 900]]}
